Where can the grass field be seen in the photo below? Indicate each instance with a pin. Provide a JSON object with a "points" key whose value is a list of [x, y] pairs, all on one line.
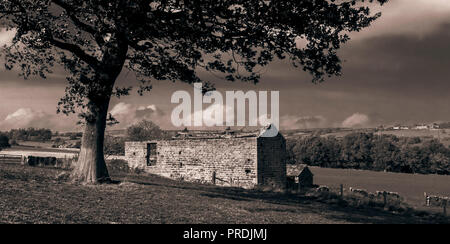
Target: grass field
{"points": [[411, 187], [33, 195]]}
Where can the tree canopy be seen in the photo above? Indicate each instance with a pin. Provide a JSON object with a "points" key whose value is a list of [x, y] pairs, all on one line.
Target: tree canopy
{"points": [[145, 131], [172, 39]]}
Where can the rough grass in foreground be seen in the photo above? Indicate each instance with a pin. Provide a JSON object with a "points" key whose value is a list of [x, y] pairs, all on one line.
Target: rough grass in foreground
{"points": [[35, 195]]}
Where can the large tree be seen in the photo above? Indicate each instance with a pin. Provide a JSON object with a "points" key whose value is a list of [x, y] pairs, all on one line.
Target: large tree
{"points": [[95, 40]]}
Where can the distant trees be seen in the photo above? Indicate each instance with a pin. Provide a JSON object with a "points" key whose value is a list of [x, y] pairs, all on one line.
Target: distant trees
{"points": [[440, 164], [145, 131], [371, 152], [383, 152], [356, 150], [4, 142], [30, 134], [73, 135], [58, 142], [315, 151], [414, 140], [114, 145], [142, 131]]}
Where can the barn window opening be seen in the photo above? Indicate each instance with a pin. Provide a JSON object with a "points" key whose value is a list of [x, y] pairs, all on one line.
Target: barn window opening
{"points": [[248, 171], [151, 154]]}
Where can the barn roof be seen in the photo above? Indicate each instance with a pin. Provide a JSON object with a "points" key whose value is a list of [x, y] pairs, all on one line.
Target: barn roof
{"points": [[296, 169], [224, 134]]}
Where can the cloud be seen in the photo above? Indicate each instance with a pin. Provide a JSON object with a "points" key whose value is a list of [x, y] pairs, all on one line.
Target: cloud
{"points": [[126, 114], [356, 120], [24, 117], [291, 122], [121, 109], [287, 122], [406, 17], [143, 108], [129, 114], [27, 117]]}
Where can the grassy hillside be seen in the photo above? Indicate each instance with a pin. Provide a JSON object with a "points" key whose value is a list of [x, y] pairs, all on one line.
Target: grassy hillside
{"points": [[33, 195]]}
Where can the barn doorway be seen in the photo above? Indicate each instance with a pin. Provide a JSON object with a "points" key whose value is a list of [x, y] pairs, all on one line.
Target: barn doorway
{"points": [[151, 154]]}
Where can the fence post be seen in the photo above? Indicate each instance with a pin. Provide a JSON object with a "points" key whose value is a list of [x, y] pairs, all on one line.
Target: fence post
{"points": [[445, 207], [214, 177], [427, 199], [341, 192], [385, 198]]}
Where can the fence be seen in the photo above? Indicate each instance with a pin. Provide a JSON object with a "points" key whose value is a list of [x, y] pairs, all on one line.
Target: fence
{"points": [[65, 163], [7, 158], [431, 200], [386, 199]]}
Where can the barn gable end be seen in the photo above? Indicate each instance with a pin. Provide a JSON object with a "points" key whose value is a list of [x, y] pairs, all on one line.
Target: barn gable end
{"points": [[272, 161]]}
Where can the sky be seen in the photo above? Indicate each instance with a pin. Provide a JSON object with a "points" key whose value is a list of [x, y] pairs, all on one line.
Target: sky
{"points": [[394, 72]]}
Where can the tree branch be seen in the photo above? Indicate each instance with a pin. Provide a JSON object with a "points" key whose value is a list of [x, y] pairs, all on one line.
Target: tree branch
{"points": [[69, 9], [76, 50], [83, 26]]}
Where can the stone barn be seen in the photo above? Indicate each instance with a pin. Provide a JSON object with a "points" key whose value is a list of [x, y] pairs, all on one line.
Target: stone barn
{"points": [[299, 176], [222, 158]]}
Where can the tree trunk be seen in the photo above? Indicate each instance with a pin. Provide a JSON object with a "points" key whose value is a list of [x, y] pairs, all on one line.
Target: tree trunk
{"points": [[91, 166]]}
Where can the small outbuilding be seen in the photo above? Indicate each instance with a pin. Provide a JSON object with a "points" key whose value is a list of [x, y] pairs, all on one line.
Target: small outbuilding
{"points": [[299, 176]]}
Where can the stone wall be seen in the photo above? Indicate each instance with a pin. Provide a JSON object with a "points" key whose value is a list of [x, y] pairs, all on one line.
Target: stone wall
{"points": [[239, 162], [234, 160]]}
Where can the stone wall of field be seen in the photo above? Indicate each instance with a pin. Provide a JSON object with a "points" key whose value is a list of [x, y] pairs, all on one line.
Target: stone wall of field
{"points": [[228, 162]]}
